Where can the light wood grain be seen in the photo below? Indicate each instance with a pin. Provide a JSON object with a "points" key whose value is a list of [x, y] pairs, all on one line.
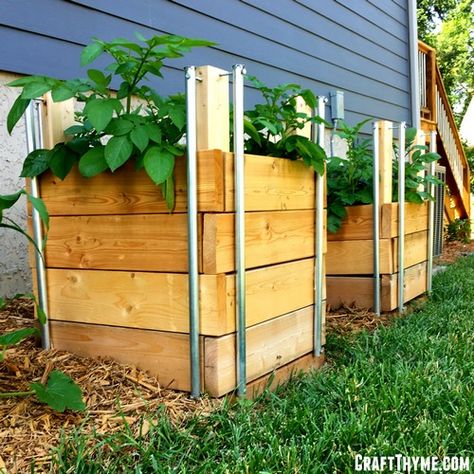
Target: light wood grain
{"points": [[271, 184], [212, 108], [164, 355], [269, 345], [159, 301], [56, 117], [281, 375], [355, 257], [358, 291], [127, 191], [358, 225], [270, 237], [416, 219], [385, 131], [150, 242], [416, 245]]}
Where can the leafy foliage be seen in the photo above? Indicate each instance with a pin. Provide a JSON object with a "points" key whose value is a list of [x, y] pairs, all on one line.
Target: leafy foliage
{"points": [[417, 157], [459, 230], [60, 392], [454, 43], [110, 130], [350, 179], [272, 127], [9, 200], [14, 337]]}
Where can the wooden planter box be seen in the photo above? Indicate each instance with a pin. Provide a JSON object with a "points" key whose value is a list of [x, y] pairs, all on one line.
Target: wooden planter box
{"points": [[349, 259], [117, 269]]}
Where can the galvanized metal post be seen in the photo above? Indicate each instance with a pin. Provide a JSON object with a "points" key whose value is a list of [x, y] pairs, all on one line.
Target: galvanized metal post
{"points": [[193, 276], [431, 209], [238, 99], [318, 242], [34, 140], [376, 219], [401, 217]]}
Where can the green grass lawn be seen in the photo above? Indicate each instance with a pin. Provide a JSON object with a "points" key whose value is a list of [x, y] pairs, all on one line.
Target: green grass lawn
{"points": [[403, 389]]}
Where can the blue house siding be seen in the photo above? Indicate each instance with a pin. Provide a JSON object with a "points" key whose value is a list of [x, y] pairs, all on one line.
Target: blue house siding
{"points": [[360, 47]]}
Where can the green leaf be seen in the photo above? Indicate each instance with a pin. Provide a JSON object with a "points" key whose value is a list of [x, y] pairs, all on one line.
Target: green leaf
{"points": [[41, 315], [100, 112], [119, 126], [93, 162], [159, 164], [8, 200], [60, 392], [3, 303], [139, 137], [117, 151], [167, 189], [16, 112], [61, 92], [178, 117], [251, 131], [36, 162], [91, 52], [35, 89], [74, 130], [14, 337], [40, 206], [62, 160], [154, 132]]}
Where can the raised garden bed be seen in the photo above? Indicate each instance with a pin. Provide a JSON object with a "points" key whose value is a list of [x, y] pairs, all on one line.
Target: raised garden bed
{"points": [[350, 253], [349, 260], [117, 278]]}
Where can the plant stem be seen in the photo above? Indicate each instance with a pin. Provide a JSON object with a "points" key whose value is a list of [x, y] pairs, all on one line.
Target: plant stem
{"points": [[16, 394]]}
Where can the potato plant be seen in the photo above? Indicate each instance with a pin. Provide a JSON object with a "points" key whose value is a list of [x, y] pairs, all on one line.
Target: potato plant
{"points": [[110, 129]]}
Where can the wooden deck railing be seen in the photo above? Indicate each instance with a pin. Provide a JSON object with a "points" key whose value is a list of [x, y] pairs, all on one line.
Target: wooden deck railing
{"points": [[436, 114]]}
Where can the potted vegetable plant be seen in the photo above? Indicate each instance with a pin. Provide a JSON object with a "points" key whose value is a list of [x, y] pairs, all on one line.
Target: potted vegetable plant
{"points": [[350, 221], [116, 256]]}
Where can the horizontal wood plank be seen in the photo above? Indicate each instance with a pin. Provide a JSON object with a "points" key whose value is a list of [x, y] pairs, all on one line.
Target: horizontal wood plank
{"points": [[164, 355], [127, 191], [355, 257], [159, 301], [358, 291], [270, 237], [416, 219], [149, 242], [271, 184], [269, 346], [358, 225]]}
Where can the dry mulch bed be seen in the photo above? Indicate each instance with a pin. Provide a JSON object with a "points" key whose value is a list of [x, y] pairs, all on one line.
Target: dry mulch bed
{"points": [[113, 392]]}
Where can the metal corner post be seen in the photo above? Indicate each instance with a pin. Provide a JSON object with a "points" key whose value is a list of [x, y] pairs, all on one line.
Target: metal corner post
{"points": [[431, 209], [193, 277], [239, 170], [401, 217], [318, 241], [34, 140], [376, 218]]}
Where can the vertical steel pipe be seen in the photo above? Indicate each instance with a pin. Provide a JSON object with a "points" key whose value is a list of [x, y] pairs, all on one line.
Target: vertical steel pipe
{"points": [[34, 140], [238, 99], [431, 210], [318, 242], [193, 277], [401, 217], [376, 218]]}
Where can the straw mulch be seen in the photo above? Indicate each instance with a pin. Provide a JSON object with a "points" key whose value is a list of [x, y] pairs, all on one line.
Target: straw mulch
{"points": [[113, 393]]}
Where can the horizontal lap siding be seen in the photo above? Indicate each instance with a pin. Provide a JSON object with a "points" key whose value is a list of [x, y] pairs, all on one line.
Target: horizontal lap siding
{"points": [[359, 47]]}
